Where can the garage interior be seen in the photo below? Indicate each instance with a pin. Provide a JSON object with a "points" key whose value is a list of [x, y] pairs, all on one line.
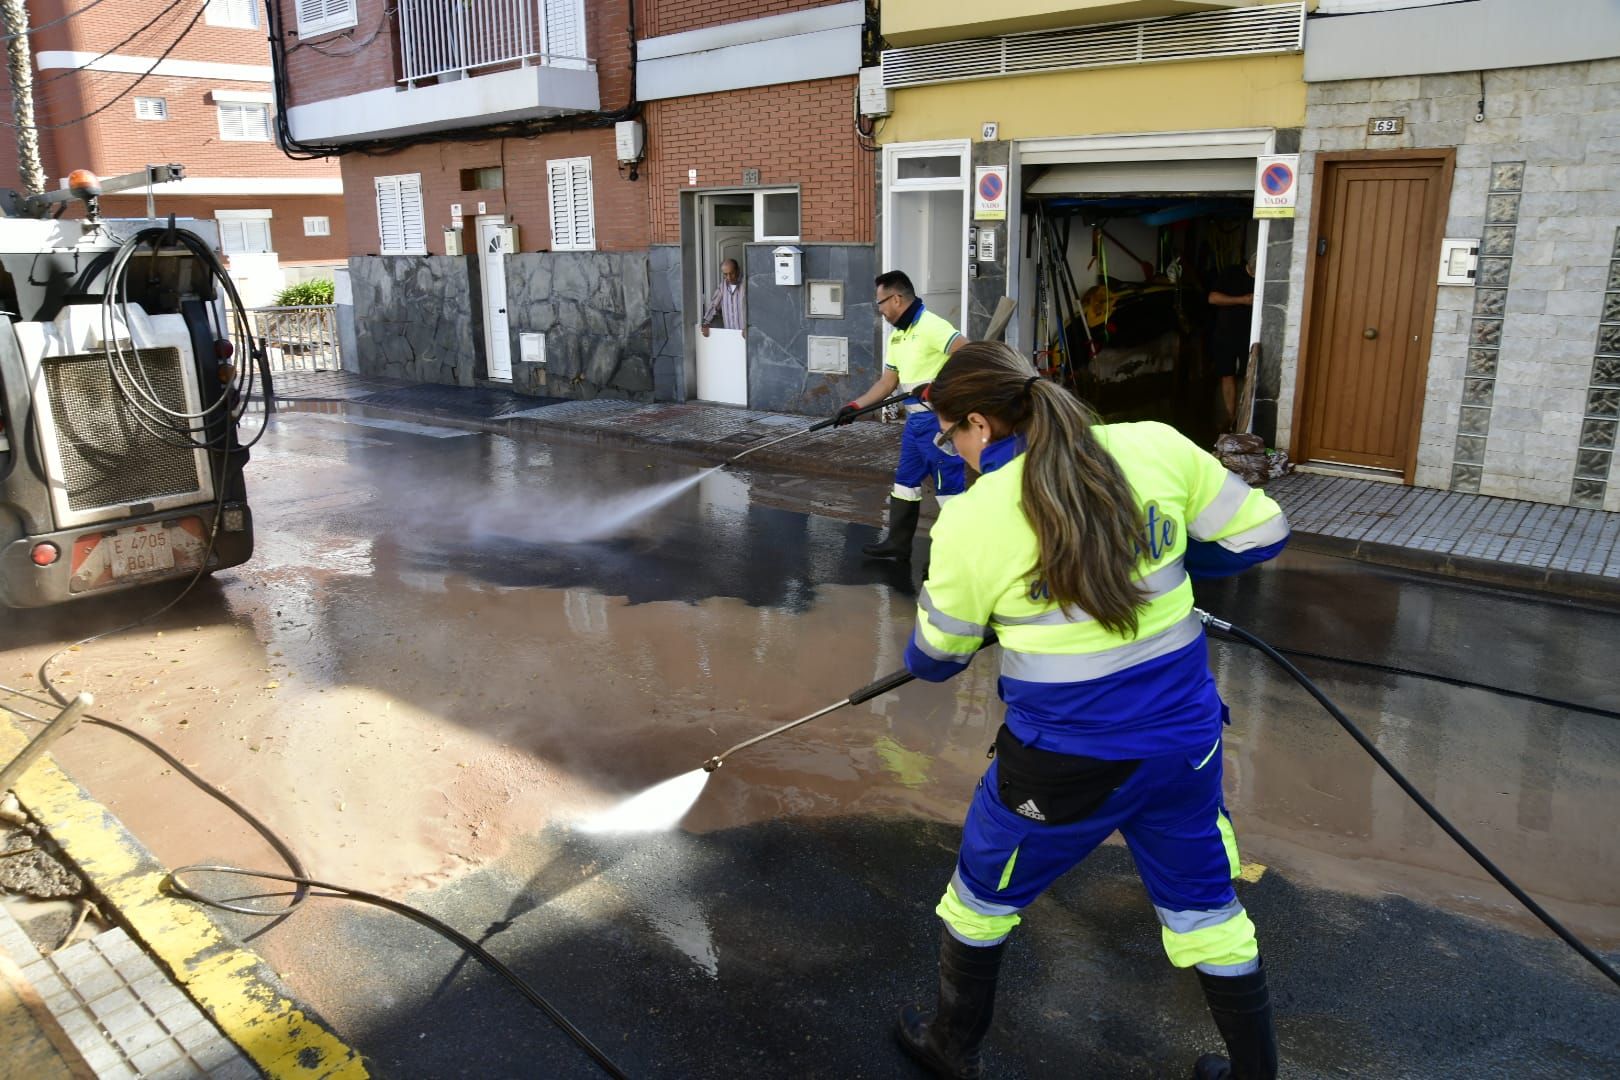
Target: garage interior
{"points": [[1119, 260]]}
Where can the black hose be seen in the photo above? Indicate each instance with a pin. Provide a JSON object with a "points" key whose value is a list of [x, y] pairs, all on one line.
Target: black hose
{"points": [[1587, 953], [303, 883], [477, 951], [281, 847], [1452, 680]]}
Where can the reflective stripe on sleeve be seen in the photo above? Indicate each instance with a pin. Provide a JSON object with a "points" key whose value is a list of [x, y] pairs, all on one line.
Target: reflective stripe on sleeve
{"points": [[1081, 667], [906, 494], [1161, 582], [1268, 532], [929, 649], [949, 624], [1221, 509]]}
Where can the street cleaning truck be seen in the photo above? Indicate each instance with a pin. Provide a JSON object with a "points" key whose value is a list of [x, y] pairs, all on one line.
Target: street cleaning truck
{"points": [[127, 365]]}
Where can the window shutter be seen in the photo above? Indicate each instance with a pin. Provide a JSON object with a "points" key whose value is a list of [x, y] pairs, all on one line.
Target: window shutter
{"points": [[562, 217], [573, 219], [256, 121], [230, 122], [400, 228], [584, 216], [410, 201], [317, 15], [390, 228]]}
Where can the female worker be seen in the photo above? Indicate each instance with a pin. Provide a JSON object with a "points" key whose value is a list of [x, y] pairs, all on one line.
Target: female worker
{"points": [[1074, 551]]}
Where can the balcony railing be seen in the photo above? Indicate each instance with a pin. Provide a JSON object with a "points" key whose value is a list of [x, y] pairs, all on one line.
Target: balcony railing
{"points": [[447, 39]]}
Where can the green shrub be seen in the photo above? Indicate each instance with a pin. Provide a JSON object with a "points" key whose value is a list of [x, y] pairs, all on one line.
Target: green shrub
{"points": [[307, 294]]}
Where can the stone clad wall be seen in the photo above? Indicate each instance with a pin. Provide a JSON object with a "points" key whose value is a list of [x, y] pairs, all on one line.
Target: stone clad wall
{"points": [[594, 308], [779, 379], [1523, 390], [414, 318]]}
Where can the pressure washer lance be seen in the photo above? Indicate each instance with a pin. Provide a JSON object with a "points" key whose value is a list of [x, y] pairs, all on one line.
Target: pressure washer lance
{"points": [[892, 681], [821, 425]]}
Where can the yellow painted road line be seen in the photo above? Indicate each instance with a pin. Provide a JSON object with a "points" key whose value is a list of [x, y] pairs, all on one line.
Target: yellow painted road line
{"points": [[234, 986]]}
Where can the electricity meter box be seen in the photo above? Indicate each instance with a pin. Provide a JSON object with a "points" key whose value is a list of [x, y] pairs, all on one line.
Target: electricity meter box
{"points": [[629, 140], [789, 271]]}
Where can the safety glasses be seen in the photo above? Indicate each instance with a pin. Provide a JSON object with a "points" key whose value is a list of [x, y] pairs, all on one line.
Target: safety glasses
{"points": [[943, 442]]}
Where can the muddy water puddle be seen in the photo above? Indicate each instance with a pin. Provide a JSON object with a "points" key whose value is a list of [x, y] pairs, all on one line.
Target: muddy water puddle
{"points": [[410, 677]]}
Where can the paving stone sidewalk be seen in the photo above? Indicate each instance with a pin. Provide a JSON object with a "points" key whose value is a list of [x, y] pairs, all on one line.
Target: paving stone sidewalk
{"points": [[102, 1008], [1558, 549]]}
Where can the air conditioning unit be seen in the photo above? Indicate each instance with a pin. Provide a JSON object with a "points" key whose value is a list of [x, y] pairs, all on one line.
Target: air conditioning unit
{"points": [[875, 97]]}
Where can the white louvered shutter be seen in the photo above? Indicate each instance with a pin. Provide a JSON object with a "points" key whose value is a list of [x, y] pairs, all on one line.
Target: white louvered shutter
{"points": [[238, 13], [573, 215], [564, 32], [318, 15], [244, 123], [399, 215]]}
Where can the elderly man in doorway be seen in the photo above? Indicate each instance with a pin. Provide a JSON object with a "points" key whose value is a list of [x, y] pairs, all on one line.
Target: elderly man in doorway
{"points": [[728, 307]]}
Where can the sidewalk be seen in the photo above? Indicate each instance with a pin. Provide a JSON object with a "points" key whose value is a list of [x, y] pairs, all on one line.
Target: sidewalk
{"points": [[1558, 549]]}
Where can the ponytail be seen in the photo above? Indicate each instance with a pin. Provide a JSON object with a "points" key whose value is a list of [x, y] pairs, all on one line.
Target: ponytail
{"points": [[1082, 509]]}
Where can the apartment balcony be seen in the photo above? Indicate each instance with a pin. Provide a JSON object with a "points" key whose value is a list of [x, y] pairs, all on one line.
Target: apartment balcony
{"points": [[919, 22], [467, 63]]}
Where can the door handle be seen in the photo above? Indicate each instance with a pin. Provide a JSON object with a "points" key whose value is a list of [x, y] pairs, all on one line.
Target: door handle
{"points": [[500, 311], [1370, 333]]}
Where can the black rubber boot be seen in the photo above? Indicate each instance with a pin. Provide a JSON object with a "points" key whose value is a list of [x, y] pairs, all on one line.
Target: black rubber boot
{"points": [[1241, 1006], [947, 1040], [902, 527]]}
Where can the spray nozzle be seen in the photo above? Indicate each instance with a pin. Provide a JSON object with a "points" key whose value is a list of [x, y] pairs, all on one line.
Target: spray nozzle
{"points": [[712, 764]]}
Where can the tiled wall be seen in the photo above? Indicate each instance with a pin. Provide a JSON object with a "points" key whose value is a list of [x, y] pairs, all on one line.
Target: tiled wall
{"points": [[1511, 377], [1597, 473], [1492, 276]]}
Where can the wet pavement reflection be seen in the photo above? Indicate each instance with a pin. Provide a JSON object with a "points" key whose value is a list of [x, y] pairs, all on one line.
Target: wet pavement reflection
{"points": [[420, 681]]}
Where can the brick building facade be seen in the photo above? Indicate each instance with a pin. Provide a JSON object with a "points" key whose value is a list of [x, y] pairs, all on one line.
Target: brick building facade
{"points": [[462, 270], [194, 88]]}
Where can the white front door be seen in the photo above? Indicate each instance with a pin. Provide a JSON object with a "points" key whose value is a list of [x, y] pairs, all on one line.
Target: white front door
{"points": [[492, 264], [726, 224], [925, 222]]}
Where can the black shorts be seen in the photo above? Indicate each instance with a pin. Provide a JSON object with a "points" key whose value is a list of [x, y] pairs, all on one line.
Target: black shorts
{"points": [[1229, 360]]}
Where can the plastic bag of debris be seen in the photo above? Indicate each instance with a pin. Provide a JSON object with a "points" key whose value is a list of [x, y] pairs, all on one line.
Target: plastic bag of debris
{"points": [[1247, 456]]}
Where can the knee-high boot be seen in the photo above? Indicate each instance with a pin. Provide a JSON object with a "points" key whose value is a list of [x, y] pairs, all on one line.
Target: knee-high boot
{"points": [[1241, 1006], [947, 1040], [902, 527]]}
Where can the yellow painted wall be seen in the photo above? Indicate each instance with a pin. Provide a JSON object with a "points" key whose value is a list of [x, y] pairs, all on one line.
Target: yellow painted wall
{"points": [[1260, 91]]}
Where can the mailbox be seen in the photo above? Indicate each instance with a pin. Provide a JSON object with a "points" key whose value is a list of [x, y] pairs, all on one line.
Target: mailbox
{"points": [[788, 270]]}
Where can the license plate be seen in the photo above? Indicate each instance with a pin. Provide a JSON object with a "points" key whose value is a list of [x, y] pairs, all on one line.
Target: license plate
{"points": [[139, 549]]}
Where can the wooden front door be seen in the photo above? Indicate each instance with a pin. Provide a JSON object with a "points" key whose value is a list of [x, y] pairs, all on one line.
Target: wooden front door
{"points": [[1375, 249]]}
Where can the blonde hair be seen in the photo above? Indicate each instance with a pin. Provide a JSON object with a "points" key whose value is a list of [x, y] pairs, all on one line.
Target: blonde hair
{"points": [[1083, 510]]}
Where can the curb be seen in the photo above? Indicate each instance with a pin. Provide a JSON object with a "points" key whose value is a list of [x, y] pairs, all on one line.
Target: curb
{"points": [[233, 985], [1587, 588]]}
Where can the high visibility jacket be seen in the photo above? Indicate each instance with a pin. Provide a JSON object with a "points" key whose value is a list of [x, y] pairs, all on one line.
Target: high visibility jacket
{"points": [[919, 350], [1070, 685]]}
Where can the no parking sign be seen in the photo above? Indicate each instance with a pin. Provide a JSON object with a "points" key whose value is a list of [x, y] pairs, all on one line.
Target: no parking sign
{"points": [[990, 193], [1276, 186]]}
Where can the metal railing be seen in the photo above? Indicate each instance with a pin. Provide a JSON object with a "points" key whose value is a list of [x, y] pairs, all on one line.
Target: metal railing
{"points": [[440, 38], [299, 338]]}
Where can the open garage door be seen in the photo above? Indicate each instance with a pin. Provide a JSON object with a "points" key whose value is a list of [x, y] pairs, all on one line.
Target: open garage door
{"points": [[1135, 272]]}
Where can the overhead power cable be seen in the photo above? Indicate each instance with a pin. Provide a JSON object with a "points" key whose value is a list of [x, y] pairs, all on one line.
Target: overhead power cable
{"points": [[143, 28], [126, 91], [54, 22]]}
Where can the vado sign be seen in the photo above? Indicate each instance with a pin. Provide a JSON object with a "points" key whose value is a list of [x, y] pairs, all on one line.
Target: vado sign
{"points": [[1276, 186]]}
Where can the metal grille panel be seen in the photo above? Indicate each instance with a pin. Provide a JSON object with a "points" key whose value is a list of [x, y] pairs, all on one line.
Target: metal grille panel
{"points": [[1271, 28], [108, 458]]}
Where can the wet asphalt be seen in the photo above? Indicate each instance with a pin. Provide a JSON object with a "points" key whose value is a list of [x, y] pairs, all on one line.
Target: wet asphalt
{"points": [[778, 932]]}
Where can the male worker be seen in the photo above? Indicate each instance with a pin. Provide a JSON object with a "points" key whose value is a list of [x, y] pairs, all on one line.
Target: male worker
{"points": [[1233, 299], [919, 345], [728, 307]]}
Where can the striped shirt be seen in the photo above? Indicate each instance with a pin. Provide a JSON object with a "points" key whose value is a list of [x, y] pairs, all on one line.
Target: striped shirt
{"points": [[727, 308]]}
